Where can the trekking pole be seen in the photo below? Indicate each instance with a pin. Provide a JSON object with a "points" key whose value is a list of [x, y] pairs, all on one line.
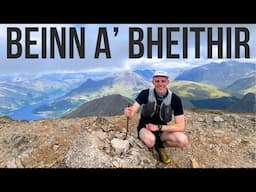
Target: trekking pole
{"points": [[127, 124]]}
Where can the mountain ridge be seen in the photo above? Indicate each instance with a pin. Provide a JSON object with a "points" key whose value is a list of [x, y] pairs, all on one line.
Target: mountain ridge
{"points": [[219, 74], [105, 106], [246, 104]]}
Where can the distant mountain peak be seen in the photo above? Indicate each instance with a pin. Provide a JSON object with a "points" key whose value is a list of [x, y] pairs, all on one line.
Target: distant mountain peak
{"points": [[105, 106], [246, 104]]}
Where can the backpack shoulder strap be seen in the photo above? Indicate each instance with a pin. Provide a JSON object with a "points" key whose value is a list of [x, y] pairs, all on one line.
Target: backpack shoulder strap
{"points": [[151, 96], [168, 99]]}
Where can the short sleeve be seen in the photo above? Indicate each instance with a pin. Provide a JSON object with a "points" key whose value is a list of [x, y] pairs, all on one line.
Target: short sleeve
{"points": [[142, 98], [176, 105]]}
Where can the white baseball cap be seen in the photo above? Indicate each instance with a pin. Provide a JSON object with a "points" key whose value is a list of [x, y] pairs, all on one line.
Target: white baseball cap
{"points": [[161, 73]]}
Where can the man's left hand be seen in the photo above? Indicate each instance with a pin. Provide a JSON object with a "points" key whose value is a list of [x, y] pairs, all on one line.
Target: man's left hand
{"points": [[152, 127]]}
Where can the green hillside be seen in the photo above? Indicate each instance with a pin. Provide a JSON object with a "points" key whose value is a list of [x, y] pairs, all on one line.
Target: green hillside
{"points": [[194, 90]]}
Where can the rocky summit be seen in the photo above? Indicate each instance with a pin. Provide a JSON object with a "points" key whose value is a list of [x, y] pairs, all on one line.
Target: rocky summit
{"points": [[217, 140]]}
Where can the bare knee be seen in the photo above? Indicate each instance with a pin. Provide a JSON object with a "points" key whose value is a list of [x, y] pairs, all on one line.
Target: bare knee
{"points": [[149, 141], [183, 141], [177, 139], [147, 137]]}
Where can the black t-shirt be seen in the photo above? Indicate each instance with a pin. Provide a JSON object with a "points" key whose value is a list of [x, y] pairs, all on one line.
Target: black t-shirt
{"points": [[176, 104]]}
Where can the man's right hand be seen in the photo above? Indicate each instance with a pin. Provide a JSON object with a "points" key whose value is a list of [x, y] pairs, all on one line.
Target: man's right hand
{"points": [[128, 112]]}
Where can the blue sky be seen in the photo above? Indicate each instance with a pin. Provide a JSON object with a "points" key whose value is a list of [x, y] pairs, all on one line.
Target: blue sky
{"points": [[119, 47]]}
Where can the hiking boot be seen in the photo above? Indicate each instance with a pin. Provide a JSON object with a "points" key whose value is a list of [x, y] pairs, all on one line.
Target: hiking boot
{"points": [[163, 155]]}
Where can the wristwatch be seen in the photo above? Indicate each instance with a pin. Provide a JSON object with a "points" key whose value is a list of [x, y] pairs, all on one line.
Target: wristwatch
{"points": [[160, 127]]}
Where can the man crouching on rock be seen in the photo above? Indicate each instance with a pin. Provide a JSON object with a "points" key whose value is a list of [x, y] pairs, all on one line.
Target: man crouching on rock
{"points": [[158, 104]]}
